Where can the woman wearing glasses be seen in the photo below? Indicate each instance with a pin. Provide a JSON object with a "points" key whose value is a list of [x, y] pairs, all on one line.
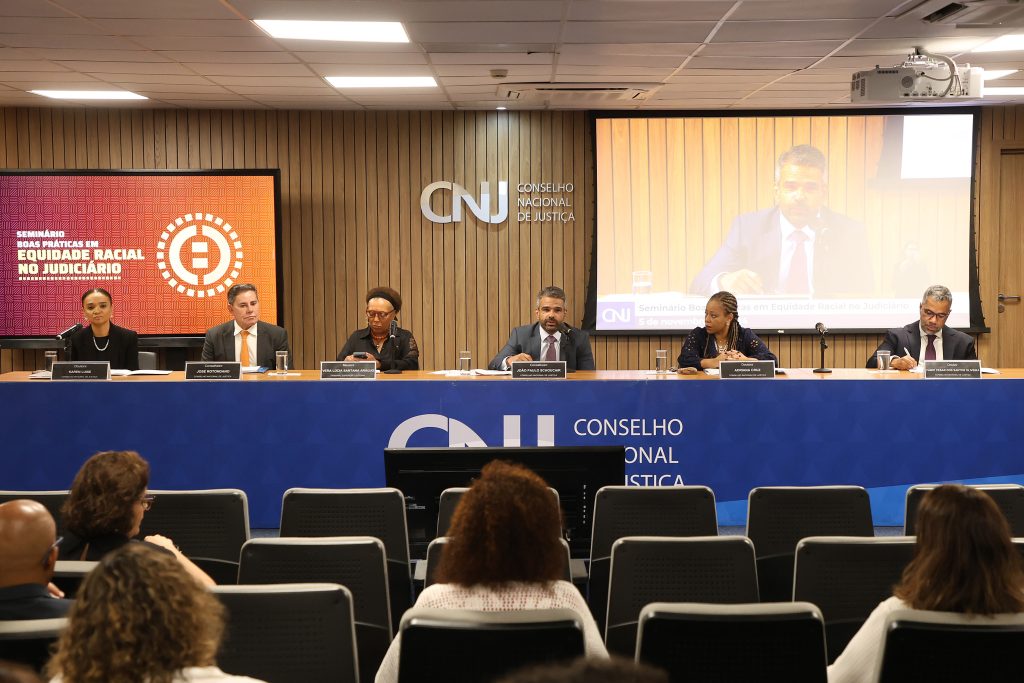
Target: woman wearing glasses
{"points": [[382, 340], [105, 507]]}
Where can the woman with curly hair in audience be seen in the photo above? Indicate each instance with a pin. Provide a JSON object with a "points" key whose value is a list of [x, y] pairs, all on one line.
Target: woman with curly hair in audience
{"points": [[140, 617], [504, 553], [964, 562], [105, 507]]}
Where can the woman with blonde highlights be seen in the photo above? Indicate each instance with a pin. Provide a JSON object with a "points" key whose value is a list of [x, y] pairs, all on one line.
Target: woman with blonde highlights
{"points": [[964, 562], [140, 617], [503, 553]]}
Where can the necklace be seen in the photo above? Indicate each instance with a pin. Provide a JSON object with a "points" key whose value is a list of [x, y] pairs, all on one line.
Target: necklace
{"points": [[105, 346]]}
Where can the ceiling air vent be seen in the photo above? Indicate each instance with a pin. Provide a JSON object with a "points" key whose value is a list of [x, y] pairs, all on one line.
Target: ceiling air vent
{"points": [[578, 93], [969, 13]]}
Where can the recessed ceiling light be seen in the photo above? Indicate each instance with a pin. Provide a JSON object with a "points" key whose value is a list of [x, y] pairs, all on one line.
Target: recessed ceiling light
{"points": [[1009, 90], [89, 94], [993, 74], [382, 81], [1007, 43], [349, 31]]}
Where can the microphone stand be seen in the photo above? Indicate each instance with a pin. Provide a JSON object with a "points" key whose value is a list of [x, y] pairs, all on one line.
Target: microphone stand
{"points": [[821, 369]]}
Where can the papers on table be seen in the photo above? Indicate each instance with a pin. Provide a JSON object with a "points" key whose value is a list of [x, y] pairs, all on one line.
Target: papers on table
{"points": [[478, 371], [116, 372]]}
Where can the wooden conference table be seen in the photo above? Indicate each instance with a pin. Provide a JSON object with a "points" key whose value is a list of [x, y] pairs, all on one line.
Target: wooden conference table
{"points": [[267, 433]]}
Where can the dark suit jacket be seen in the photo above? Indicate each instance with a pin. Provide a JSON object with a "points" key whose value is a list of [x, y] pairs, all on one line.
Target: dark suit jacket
{"points": [[31, 601], [122, 348], [956, 345], [574, 347], [219, 344], [842, 263]]}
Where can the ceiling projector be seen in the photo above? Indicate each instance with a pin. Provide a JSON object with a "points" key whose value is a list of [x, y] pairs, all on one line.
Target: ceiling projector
{"points": [[921, 77]]}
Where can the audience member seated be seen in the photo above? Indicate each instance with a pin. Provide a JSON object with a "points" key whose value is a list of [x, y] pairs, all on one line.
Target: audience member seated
{"points": [[964, 562], [105, 507], [614, 670], [503, 553], [28, 553], [139, 616], [721, 338]]}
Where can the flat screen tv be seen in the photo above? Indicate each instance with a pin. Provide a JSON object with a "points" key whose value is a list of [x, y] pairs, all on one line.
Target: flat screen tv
{"points": [[421, 474]]}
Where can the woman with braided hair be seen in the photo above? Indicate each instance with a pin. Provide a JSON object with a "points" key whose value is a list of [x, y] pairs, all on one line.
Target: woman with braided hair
{"points": [[721, 338]]}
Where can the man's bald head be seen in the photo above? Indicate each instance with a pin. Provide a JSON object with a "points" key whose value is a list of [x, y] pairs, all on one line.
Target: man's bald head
{"points": [[27, 533]]}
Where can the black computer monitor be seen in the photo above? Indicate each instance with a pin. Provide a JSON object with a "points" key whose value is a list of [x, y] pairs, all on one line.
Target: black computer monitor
{"points": [[421, 474]]}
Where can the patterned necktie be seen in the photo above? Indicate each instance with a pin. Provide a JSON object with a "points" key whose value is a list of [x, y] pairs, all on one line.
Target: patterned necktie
{"points": [[929, 352], [549, 353], [796, 278], [243, 355]]}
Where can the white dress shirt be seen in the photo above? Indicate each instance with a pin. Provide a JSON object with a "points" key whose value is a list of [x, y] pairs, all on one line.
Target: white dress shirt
{"points": [[543, 347]]}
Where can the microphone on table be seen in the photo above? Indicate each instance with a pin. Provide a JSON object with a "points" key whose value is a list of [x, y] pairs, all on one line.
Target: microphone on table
{"points": [[822, 330], [70, 331], [565, 329], [820, 327]]}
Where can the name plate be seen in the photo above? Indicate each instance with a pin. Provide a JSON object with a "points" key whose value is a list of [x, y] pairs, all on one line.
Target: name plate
{"points": [[92, 369], [746, 369], [952, 369], [226, 370], [348, 369], [538, 369]]}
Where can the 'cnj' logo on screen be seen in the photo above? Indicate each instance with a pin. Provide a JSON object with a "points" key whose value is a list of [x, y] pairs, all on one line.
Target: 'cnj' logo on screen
{"points": [[461, 435], [461, 196]]}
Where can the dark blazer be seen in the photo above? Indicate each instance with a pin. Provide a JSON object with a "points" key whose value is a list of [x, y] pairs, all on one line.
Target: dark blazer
{"points": [[219, 344], [956, 345], [402, 353], [574, 347], [31, 601], [842, 263], [122, 347], [96, 548], [699, 345]]}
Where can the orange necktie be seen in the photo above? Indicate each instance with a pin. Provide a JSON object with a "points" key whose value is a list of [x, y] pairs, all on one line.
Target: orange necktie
{"points": [[243, 356]]}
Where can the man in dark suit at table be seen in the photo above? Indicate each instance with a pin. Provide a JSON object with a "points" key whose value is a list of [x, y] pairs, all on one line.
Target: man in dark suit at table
{"points": [[928, 338], [28, 555], [799, 247], [245, 339], [547, 339]]}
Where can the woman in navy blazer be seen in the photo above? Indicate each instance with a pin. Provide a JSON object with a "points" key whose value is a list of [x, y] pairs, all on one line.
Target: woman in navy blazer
{"points": [[722, 337]]}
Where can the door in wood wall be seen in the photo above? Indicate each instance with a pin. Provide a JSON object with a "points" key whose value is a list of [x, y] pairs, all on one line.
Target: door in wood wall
{"points": [[1010, 321]]}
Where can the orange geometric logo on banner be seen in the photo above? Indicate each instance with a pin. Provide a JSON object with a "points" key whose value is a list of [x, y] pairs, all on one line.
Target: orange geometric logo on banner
{"points": [[199, 255]]}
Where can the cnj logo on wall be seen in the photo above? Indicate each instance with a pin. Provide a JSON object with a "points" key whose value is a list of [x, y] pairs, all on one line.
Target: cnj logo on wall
{"points": [[460, 197]]}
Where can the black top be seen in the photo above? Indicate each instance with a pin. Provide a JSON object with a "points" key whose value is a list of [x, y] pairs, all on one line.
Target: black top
{"points": [[700, 345], [400, 353], [31, 601], [94, 549], [121, 347]]}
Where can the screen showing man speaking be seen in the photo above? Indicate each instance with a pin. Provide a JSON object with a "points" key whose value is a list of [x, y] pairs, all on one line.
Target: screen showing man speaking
{"points": [[842, 219], [165, 245]]}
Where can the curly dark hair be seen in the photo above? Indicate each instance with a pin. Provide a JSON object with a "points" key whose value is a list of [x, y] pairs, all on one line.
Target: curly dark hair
{"points": [[506, 528], [584, 670], [965, 560], [103, 493], [390, 295], [138, 617]]}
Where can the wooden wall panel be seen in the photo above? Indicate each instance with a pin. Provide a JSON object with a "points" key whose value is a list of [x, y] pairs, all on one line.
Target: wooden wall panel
{"points": [[351, 183]]}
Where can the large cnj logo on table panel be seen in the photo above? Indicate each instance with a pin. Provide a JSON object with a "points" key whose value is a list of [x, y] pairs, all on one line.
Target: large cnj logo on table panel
{"points": [[461, 196], [199, 255], [461, 435]]}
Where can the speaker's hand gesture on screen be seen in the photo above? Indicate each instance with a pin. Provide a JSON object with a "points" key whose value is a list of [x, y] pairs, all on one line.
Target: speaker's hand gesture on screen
{"points": [[741, 282]]}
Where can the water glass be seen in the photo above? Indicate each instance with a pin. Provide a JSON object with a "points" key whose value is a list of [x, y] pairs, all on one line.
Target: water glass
{"points": [[51, 356], [465, 362], [281, 361], [884, 360], [661, 361]]}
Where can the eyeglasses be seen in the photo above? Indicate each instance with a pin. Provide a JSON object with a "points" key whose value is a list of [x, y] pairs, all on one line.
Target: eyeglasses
{"points": [[932, 314], [147, 501], [377, 314], [46, 555]]}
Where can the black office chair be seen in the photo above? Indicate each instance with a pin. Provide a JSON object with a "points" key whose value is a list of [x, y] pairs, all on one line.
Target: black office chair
{"points": [[702, 643], [469, 646], [1009, 498], [846, 577], [779, 516], [51, 500], [289, 633], [646, 569], [356, 562], [642, 511], [209, 526], [449, 500], [28, 641], [942, 646], [436, 548], [356, 512]]}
